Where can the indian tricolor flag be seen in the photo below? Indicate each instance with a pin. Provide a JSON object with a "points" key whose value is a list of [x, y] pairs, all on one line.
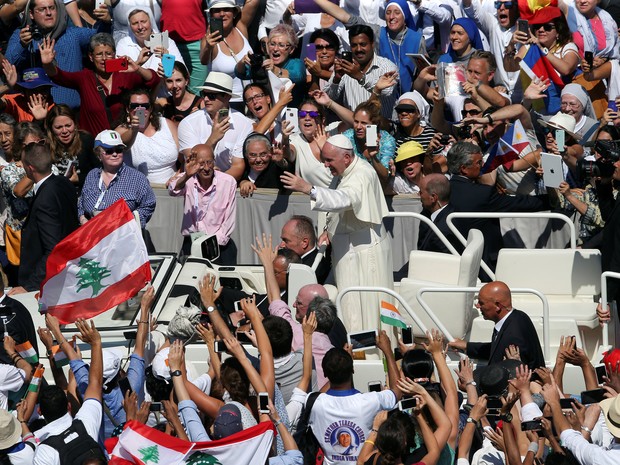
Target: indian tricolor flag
{"points": [[391, 316], [101, 264], [27, 352], [59, 356], [36, 379], [143, 445]]}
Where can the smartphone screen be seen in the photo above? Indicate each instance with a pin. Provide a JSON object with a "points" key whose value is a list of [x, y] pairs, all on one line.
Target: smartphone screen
{"points": [[374, 386], [534, 425], [567, 403], [125, 386], [407, 335], [220, 346], [155, 407], [593, 397], [243, 338], [263, 402], [600, 372], [363, 340], [407, 404]]}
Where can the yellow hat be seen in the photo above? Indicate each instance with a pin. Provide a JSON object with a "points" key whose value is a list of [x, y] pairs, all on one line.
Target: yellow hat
{"points": [[409, 150]]}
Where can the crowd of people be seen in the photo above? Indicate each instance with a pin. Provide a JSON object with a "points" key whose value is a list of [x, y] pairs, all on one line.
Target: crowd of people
{"points": [[349, 104]]}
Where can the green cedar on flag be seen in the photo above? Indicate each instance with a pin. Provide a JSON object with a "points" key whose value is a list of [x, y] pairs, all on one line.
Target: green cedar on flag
{"points": [[391, 316]]}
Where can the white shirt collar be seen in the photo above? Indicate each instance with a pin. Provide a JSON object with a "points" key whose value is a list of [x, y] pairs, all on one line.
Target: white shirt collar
{"points": [[37, 185], [436, 213], [500, 323], [307, 253]]}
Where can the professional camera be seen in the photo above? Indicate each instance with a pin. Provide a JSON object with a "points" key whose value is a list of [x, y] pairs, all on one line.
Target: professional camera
{"points": [[609, 152]]}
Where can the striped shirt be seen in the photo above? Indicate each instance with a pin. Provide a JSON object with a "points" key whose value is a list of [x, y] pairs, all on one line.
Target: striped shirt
{"points": [[423, 138]]}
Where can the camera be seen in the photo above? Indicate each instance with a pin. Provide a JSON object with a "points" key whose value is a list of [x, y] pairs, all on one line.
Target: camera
{"points": [[36, 32], [609, 152], [463, 132]]}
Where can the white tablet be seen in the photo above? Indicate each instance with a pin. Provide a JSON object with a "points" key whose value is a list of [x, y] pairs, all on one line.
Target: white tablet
{"points": [[553, 173]]}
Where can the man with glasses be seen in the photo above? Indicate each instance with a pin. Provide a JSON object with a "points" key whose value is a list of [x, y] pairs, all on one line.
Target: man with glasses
{"points": [[53, 216], [499, 30], [512, 327], [210, 203], [48, 18], [218, 126]]}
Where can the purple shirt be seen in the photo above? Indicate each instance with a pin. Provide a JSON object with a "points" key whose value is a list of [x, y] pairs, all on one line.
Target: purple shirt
{"points": [[212, 211], [320, 341]]}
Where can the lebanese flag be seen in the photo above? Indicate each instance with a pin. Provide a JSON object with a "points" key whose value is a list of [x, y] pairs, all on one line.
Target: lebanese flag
{"points": [[101, 264], [140, 444]]}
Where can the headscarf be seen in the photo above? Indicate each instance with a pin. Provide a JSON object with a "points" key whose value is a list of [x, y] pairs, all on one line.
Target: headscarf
{"points": [[404, 8], [62, 19], [472, 32], [583, 97], [154, 27], [420, 102]]}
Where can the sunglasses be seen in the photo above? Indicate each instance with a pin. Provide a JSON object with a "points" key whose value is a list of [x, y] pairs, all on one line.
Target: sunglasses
{"points": [[324, 47], [507, 5], [466, 113], [410, 109], [211, 95], [312, 114], [547, 27], [113, 150], [146, 105], [35, 142]]}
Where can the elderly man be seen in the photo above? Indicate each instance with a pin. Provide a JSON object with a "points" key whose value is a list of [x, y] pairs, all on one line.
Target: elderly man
{"points": [[218, 126], [210, 202], [435, 198], [298, 235], [355, 207], [512, 327]]}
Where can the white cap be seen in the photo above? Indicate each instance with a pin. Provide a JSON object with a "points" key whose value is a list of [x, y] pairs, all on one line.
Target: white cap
{"points": [[340, 141], [111, 364], [108, 139]]}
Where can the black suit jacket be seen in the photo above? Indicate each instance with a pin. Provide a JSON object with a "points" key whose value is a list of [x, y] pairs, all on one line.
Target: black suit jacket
{"points": [[53, 216], [19, 326], [428, 240], [468, 196], [324, 267], [610, 246], [517, 330]]}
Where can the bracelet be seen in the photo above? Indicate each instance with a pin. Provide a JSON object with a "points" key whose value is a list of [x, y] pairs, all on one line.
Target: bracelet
{"points": [[533, 447], [369, 442], [50, 352], [373, 430], [277, 423], [15, 357], [23, 421], [62, 342], [490, 118], [586, 429], [329, 105], [140, 322]]}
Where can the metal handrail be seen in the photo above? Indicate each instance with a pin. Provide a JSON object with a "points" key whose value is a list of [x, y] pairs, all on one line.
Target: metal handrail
{"points": [[518, 290], [604, 302], [429, 223], [478, 215], [385, 290]]}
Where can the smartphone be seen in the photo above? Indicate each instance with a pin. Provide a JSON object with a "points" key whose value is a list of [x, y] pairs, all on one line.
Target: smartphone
{"points": [[220, 346], [72, 164], [347, 56], [523, 26], [560, 139], [156, 407], [237, 305], [371, 135], [534, 425], [613, 105], [125, 386], [311, 52], [407, 335], [375, 386], [445, 139], [217, 25], [116, 64], [494, 404], [589, 57], [363, 340], [242, 337], [141, 114], [222, 114], [567, 403], [263, 402], [593, 397], [99, 4], [407, 404], [290, 115], [601, 371], [167, 62]]}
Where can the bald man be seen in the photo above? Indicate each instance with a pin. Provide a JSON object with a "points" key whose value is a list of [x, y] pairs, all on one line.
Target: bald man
{"points": [[435, 198], [355, 208], [210, 202], [512, 327]]}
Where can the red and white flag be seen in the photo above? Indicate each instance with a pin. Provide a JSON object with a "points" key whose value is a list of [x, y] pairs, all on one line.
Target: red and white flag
{"points": [[101, 264], [140, 444]]}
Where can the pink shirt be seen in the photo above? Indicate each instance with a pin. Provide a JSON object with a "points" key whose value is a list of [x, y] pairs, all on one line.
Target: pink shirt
{"points": [[320, 341], [212, 211], [599, 32]]}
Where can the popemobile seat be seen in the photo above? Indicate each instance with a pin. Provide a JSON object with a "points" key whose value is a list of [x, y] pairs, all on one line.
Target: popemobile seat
{"points": [[440, 270]]}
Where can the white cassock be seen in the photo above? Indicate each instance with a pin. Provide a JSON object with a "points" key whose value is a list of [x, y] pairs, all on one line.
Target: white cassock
{"points": [[361, 248]]}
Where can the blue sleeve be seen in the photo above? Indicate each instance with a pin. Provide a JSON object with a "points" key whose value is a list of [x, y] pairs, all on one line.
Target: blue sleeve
{"points": [[135, 375], [194, 427], [15, 52], [147, 201], [80, 371], [82, 35], [387, 148], [296, 70]]}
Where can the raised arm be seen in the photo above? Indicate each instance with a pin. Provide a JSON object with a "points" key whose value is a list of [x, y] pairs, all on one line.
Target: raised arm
{"points": [[285, 97], [60, 379], [334, 10], [18, 361], [266, 254], [430, 441], [383, 343], [90, 335]]}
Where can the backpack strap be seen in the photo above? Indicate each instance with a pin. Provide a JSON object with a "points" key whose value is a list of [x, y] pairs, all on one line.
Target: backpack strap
{"points": [[103, 98]]}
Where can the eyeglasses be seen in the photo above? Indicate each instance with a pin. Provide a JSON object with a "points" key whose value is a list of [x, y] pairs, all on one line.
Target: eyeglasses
{"points": [[105, 54], [211, 95], [111, 151], [262, 155], [324, 47], [547, 27], [279, 45], [507, 5], [146, 105], [570, 104], [44, 9], [466, 113], [208, 163], [40, 142], [312, 114], [254, 98]]}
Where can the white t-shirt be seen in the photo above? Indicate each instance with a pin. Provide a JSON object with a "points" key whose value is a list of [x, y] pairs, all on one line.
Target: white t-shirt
{"points": [[11, 380], [341, 420]]}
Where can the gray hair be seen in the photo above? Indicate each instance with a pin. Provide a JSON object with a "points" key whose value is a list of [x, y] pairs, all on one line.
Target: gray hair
{"points": [[285, 30], [325, 312], [255, 137], [183, 323], [136, 11], [101, 38], [460, 155]]}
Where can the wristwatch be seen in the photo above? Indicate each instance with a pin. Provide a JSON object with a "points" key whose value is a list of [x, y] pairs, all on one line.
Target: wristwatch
{"points": [[210, 309], [545, 51], [471, 420], [175, 373], [472, 382], [506, 417]]}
